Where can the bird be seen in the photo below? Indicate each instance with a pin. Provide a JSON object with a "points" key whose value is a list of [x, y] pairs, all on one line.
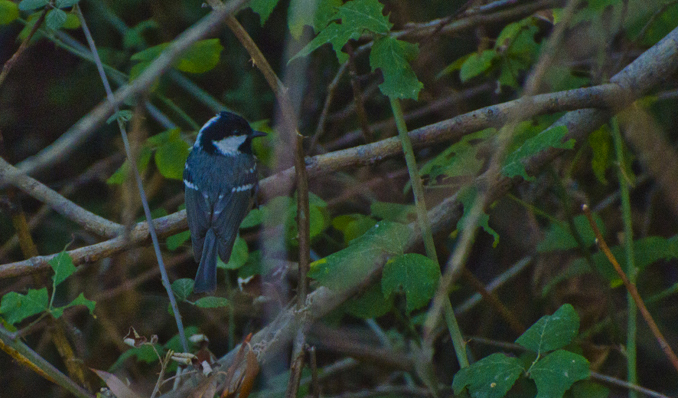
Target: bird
{"points": [[221, 182]]}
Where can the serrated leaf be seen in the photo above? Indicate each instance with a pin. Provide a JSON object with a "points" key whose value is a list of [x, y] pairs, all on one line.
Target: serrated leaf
{"points": [[345, 268], [299, 14], [551, 332], [239, 255], [55, 18], [17, 307], [549, 138], [601, 146], [556, 373], [63, 267], [558, 236], [467, 197], [491, 377], [175, 241], [80, 300], [66, 3], [325, 11], [9, 11], [182, 288], [476, 64], [212, 302], [459, 159], [264, 8], [370, 304], [201, 57], [356, 17], [392, 56], [454, 66], [171, 158], [30, 5], [589, 389], [415, 274]]}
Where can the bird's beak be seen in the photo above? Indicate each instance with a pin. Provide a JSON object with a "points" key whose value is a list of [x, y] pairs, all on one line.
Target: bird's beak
{"points": [[256, 134]]}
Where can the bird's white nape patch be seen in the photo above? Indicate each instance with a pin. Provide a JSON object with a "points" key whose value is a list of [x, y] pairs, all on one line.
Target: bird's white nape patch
{"points": [[206, 125], [229, 145]]}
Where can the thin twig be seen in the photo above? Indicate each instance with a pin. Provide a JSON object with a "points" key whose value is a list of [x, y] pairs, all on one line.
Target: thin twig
{"points": [[631, 288]]}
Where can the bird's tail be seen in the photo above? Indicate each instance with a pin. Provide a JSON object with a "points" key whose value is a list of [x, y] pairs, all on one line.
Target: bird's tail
{"points": [[206, 278]]}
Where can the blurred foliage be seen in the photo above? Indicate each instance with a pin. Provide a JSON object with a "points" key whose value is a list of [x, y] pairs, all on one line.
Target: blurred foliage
{"points": [[358, 217]]}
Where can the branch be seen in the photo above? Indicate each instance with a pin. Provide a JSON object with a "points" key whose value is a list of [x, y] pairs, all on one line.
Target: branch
{"points": [[649, 70], [86, 219]]}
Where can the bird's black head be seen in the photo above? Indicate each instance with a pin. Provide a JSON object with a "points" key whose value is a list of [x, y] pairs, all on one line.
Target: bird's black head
{"points": [[226, 134]]}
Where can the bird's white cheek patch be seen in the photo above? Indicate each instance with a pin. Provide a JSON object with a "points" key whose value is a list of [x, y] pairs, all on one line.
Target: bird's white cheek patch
{"points": [[229, 145]]}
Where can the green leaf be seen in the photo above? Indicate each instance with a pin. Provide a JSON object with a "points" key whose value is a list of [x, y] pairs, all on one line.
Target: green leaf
{"points": [[356, 17], [345, 268], [353, 225], [415, 274], [549, 138], [182, 288], [201, 57], [66, 3], [212, 302], [239, 255], [125, 115], [396, 212], [30, 5], [325, 11], [175, 343], [551, 332], [370, 304], [171, 158], [589, 389], [55, 18], [264, 8], [467, 197], [63, 267], [491, 377], [601, 145], [556, 373], [121, 174], [72, 22], [17, 307], [253, 218], [454, 66], [175, 241], [558, 236], [315, 13], [460, 159], [476, 64], [80, 300], [646, 251], [392, 56], [9, 11], [144, 353]]}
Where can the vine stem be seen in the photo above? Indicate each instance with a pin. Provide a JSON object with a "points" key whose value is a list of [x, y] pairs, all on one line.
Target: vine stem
{"points": [[633, 291], [425, 227], [631, 325]]}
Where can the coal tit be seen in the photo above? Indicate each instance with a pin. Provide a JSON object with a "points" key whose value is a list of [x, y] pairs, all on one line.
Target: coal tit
{"points": [[220, 179]]}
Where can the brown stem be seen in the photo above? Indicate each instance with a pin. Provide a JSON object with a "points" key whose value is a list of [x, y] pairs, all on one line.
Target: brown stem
{"points": [[631, 288], [358, 96]]}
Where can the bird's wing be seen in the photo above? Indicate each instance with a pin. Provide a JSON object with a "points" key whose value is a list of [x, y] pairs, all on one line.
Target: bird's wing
{"points": [[198, 210]]}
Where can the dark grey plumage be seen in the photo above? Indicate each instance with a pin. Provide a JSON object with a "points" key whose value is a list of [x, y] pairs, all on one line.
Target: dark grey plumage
{"points": [[221, 179]]}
